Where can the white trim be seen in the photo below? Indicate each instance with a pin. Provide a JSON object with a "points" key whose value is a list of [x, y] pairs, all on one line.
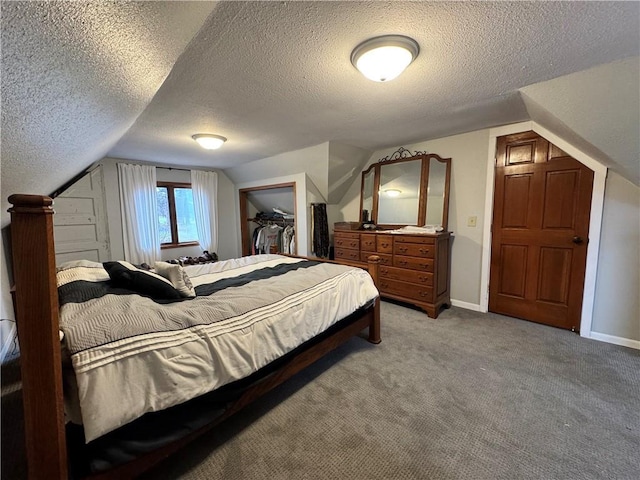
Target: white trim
{"points": [[8, 343], [469, 306], [625, 342], [595, 222]]}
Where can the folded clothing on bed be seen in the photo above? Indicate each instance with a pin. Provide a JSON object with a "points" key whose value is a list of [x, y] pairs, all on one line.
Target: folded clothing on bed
{"points": [[133, 354]]}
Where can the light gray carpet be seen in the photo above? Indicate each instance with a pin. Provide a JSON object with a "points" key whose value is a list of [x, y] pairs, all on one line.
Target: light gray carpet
{"points": [[466, 396]]}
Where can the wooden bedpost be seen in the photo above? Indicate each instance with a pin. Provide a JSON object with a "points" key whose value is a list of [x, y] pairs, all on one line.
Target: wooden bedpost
{"points": [[374, 328], [34, 272]]}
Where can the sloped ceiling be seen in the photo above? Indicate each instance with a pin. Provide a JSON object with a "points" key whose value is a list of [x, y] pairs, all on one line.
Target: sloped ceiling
{"points": [[344, 163], [83, 79], [75, 76], [609, 93]]}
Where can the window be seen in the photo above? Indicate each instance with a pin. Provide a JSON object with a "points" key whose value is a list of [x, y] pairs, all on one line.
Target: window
{"points": [[176, 215]]}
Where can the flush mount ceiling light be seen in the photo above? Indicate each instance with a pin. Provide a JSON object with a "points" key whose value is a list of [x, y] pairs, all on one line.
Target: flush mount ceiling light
{"points": [[384, 58], [209, 141], [392, 192]]}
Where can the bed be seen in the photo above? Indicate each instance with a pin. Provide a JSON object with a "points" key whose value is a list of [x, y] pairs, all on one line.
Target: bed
{"points": [[133, 356]]}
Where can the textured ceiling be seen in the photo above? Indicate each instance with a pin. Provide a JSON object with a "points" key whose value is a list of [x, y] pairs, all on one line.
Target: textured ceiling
{"points": [[276, 76], [75, 76], [137, 79]]}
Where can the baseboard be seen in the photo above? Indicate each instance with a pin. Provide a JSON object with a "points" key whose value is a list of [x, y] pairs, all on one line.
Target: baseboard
{"points": [[625, 342], [469, 306]]}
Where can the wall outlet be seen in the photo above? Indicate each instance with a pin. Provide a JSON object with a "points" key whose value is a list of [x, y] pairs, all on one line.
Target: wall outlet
{"points": [[472, 221]]}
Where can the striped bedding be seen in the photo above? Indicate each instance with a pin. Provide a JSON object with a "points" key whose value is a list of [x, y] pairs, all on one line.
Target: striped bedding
{"points": [[132, 355]]}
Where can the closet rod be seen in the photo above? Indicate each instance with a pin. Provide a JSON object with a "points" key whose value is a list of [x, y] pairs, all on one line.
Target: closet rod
{"points": [[174, 168]]}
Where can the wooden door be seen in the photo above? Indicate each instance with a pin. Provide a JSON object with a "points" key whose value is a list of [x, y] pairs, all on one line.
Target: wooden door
{"points": [[540, 231], [80, 223]]}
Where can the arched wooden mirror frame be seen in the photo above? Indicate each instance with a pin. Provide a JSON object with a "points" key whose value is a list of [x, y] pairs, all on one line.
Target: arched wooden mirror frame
{"points": [[404, 155]]}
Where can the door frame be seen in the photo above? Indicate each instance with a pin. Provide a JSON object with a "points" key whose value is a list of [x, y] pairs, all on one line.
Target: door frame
{"points": [[595, 220]]}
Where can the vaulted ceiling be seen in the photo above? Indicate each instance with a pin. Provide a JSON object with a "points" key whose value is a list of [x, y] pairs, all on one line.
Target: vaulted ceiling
{"points": [[136, 79]]}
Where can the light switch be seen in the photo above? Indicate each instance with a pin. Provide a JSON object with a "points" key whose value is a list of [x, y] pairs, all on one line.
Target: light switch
{"points": [[471, 221]]}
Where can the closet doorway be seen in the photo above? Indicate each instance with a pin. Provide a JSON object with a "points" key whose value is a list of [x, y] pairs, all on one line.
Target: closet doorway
{"points": [[265, 198], [542, 204]]}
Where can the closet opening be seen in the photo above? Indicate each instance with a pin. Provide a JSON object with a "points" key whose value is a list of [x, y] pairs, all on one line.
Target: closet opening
{"points": [[268, 219]]}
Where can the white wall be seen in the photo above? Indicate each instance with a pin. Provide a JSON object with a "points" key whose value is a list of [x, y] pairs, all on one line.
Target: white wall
{"points": [[312, 161], [616, 309], [227, 218]]}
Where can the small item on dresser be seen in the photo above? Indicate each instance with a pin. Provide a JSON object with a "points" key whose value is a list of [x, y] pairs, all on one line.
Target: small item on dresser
{"points": [[412, 229]]}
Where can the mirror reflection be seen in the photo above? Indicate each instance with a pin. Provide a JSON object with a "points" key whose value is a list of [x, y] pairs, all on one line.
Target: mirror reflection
{"points": [[435, 192], [367, 195], [399, 193]]}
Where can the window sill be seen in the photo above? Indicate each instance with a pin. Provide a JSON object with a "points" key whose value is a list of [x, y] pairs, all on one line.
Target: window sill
{"points": [[178, 245]]}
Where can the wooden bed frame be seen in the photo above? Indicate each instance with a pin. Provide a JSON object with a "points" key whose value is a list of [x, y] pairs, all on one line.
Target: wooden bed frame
{"points": [[36, 305]]}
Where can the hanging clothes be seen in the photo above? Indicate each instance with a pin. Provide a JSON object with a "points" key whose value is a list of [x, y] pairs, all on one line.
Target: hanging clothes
{"points": [[269, 236], [288, 245], [320, 229]]}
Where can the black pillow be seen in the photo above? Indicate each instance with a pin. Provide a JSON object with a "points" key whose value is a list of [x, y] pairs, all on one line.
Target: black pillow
{"points": [[145, 283]]}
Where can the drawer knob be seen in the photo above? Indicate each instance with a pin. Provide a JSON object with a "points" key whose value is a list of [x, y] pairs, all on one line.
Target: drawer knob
{"points": [[424, 250], [385, 245], [402, 249], [422, 279], [423, 294], [384, 285], [402, 262], [384, 270]]}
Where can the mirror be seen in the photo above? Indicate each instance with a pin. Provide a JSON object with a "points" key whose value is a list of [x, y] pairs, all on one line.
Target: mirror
{"points": [[399, 193], [405, 189], [366, 208], [435, 193]]}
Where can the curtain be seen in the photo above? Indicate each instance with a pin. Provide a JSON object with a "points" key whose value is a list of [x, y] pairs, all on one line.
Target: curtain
{"points": [[320, 229], [204, 186], [139, 213]]}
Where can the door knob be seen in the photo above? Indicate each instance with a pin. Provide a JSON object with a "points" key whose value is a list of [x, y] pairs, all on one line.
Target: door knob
{"points": [[577, 240]]}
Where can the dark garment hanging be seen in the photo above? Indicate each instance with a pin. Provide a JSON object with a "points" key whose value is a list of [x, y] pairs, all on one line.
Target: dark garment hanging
{"points": [[320, 229]]}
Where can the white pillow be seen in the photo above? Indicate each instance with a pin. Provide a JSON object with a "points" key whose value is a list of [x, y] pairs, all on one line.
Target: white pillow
{"points": [[177, 276]]}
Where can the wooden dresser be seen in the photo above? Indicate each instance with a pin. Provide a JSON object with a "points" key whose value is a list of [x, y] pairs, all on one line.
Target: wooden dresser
{"points": [[413, 268]]}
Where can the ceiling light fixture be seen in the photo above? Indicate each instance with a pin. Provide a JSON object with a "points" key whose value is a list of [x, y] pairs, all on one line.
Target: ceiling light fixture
{"points": [[392, 192], [209, 141], [384, 58]]}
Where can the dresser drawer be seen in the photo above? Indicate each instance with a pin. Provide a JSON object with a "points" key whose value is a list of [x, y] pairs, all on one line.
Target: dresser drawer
{"points": [[422, 264], [346, 254], [407, 290], [343, 234], [384, 259], [415, 249], [384, 243], [412, 276], [421, 239], [343, 241], [368, 243]]}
